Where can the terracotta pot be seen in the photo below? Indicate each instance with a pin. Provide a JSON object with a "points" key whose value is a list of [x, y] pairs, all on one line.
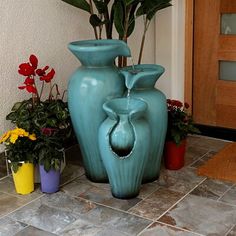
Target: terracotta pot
{"points": [[174, 155]]}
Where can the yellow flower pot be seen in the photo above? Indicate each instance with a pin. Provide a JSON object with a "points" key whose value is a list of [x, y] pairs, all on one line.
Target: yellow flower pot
{"points": [[24, 178]]}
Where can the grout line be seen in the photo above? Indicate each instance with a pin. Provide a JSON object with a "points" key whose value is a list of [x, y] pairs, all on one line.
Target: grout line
{"points": [[113, 208], [191, 165], [7, 215], [144, 229], [138, 203], [233, 186], [67, 182], [182, 229], [229, 230], [180, 199]]}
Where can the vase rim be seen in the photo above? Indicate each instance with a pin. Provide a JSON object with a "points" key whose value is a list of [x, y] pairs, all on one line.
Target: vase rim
{"points": [[94, 44]]}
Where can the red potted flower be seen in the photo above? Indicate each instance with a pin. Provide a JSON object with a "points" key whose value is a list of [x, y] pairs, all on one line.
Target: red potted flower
{"points": [[180, 124]]}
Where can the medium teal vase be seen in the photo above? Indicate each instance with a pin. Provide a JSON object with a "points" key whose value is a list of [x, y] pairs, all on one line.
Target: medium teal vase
{"points": [[124, 139], [95, 82], [141, 79]]}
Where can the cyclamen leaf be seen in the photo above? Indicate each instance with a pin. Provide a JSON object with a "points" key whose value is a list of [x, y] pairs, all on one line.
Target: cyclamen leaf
{"points": [[82, 4]]}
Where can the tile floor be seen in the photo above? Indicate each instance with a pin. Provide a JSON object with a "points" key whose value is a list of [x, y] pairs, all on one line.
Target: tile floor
{"points": [[179, 203]]}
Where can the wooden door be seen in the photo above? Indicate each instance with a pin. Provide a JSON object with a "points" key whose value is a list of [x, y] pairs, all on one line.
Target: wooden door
{"points": [[214, 50]]}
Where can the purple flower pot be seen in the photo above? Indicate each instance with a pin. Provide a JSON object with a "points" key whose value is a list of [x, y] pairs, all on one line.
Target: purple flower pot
{"points": [[50, 181]]}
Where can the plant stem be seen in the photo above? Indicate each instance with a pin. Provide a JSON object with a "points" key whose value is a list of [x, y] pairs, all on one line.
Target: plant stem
{"points": [[126, 26], [41, 91], [91, 12], [146, 25]]}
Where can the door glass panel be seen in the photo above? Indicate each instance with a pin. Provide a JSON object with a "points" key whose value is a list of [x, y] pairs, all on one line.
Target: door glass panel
{"points": [[228, 23], [228, 70]]}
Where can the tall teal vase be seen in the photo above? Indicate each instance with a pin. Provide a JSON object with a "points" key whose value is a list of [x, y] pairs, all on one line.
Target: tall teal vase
{"points": [[96, 81], [141, 80], [124, 139]]}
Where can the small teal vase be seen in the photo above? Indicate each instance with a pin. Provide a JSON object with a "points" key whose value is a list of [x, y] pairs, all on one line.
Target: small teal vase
{"points": [[141, 79], [124, 139], [96, 81]]}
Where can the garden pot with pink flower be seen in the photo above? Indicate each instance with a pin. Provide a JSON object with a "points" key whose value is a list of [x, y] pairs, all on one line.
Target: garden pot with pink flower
{"points": [[19, 146], [180, 124]]}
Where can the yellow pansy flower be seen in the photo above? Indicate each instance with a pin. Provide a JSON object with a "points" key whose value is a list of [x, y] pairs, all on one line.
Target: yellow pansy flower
{"points": [[32, 137], [5, 137], [13, 138]]}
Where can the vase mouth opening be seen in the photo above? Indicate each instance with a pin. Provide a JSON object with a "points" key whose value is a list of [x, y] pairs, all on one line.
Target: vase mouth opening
{"points": [[125, 106], [142, 75]]}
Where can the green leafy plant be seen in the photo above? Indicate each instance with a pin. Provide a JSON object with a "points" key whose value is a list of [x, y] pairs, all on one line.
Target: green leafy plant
{"points": [[121, 14], [19, 147], [53, 114], [49, 119], [180, 122], [49, 150]]}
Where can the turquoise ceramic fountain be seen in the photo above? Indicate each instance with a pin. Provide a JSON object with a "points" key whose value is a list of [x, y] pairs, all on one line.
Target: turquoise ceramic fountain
{"points": [[140, 80], [96, 81], [124, 139], [119, 118]]}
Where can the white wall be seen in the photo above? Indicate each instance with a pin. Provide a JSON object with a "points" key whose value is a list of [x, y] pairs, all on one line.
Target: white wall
{"points": [[170, 42], [44, 28]]}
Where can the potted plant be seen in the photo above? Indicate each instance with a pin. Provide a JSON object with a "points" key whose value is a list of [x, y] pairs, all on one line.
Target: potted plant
{"points": [[180, 124], [50, 156], [121, 15], [42, 112], [19, 147]]}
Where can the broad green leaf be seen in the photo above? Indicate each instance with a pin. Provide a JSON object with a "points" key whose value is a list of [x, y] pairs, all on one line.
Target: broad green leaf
{"points": [[152, 13], [11, 116], [140, 11], [132, 19], [119, 18], [82, 4], [128, 2], [150, 7], [95, 20], [16, 106], [101, 6]]}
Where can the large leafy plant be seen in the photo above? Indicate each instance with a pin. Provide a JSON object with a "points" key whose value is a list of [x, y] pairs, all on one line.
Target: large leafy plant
{"points": [[180, 122], [121, 14]]}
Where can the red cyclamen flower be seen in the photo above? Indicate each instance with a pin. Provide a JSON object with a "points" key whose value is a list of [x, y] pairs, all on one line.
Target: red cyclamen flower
{"points": [[28, 68], [34, 61], [42, 72], [29, 88], [48, 77]]}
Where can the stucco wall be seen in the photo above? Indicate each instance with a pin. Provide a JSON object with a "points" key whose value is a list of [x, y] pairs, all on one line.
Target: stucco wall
{"points": [[169, 51], [44, 28]]}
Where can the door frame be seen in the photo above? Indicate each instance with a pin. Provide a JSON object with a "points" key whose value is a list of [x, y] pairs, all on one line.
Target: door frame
{"points": [[188, 64]]}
